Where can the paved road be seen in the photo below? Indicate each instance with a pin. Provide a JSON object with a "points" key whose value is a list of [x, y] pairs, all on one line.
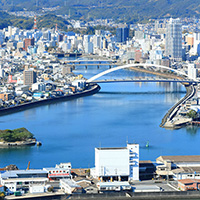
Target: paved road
{"points": [[162, 184]]}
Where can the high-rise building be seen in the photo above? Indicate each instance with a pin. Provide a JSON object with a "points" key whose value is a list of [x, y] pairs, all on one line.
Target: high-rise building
{"points": [[29, 77], [28, 42], [173, 44], [192, 71], [196, 43], [88, 44], [122, 34], [97, 41]]}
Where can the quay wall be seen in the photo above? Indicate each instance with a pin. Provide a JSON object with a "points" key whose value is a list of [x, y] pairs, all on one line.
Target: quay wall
{"points": [[190, 93], [94, 89], [139, 195], [189, 88], [118, 196]]}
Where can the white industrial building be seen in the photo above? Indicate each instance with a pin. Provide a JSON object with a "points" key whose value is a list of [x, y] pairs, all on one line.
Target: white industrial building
{"points": [[120, 164]]}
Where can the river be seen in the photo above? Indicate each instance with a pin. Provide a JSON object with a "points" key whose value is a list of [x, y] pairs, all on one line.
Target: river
{"points": [[120, 112]]}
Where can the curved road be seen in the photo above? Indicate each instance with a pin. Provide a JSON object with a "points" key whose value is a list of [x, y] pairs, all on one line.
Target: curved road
{"points": [[173, 111]]}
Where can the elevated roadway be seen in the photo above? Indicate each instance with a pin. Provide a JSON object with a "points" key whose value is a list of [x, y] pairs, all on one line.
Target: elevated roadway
{"points": [[145, 79]]}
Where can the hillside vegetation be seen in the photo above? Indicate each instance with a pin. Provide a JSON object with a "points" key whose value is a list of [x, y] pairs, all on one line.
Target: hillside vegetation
{"points": [[20, 134], [44, 21], [129, 10]]}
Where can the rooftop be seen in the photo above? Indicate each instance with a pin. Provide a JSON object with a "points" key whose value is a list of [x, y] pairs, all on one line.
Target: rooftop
{"points": [[180, 158], [15, 173], [111, 148]]}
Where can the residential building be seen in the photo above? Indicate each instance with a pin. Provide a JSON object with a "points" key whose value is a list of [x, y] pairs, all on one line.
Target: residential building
{"points": [[70, 186], [23, 179], [29, 77], [188, 184], [28, 42], [178, 167], [196, 47], [192, 71]]}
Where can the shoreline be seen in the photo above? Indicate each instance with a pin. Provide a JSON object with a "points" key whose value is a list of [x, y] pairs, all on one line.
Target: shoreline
{"points": [[166, 121], [92, 90], [18, 143]]}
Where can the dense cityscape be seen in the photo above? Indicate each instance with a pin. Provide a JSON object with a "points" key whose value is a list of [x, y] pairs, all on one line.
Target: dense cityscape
{"points": [[37, 67]]}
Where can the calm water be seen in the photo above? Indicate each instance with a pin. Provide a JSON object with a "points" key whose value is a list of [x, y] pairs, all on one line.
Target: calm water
{"points": [[70, 130]]}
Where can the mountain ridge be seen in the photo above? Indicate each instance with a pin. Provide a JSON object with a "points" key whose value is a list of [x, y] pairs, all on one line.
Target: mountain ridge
{"points": [[130, 11]]}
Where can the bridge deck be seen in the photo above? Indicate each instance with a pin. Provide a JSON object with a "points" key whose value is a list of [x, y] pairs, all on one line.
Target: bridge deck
{"points": [[142, 80], [93, 64]]}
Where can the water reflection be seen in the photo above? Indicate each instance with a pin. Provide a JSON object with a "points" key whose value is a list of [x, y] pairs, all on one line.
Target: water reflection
{"points": [[70, 130], [192, 130]]}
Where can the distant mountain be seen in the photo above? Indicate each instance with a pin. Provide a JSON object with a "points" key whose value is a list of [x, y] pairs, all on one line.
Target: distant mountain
{"points": [[44, 21], [129, 10]]}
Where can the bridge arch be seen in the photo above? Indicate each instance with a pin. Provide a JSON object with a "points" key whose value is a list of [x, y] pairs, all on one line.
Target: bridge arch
{"points": [[132, 65]]}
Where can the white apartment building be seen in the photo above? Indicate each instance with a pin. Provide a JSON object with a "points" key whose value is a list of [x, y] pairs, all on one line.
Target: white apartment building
{"points": [[192, 71]]}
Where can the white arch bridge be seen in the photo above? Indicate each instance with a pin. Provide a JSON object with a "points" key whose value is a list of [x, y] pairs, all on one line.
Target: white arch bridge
{"points": [[183, 79]]}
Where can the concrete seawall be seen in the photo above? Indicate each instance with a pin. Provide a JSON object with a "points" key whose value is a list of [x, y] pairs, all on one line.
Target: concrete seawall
{"points": [[94, 89], [140, 195], [172, 111]]}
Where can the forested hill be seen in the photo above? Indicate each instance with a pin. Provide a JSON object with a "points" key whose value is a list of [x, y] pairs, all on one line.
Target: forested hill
{"points": [[44, 21], [130, 10]]}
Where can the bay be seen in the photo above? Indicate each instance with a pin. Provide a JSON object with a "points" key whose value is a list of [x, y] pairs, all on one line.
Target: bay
{"points": [[120, 112]]}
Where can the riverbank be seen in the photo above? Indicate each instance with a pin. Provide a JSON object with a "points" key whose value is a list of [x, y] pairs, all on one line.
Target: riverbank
{"points": [[92, 89], [167, 120]]}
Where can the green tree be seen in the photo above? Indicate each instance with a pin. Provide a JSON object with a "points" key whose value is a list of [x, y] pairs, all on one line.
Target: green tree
{"points": [[192, 114], [20, 134]]}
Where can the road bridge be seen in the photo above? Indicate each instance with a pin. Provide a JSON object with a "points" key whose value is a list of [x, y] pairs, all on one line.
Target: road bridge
{"points": [[182, 78], [90, 61], [87, 63], [180, 73], [144, 79]]}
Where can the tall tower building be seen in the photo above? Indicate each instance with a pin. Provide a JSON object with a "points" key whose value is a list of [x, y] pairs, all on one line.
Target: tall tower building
{"points": [[173, 44], [122, 34], [29, 77]]}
